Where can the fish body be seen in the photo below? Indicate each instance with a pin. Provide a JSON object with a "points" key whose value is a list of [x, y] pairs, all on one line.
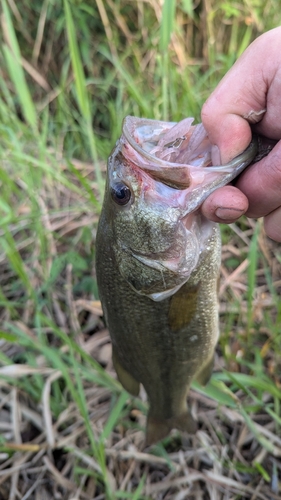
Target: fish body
{"points": [[157, 264]]}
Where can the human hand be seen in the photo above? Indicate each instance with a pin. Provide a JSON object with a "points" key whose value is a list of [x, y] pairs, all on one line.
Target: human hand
{"points": [[248, 99]]}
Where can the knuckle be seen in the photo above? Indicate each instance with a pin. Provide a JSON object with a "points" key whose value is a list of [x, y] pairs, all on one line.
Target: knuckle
{"points": [[274, 164]]}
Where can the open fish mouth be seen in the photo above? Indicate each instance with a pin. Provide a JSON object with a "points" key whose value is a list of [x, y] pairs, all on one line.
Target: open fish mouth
{"points": [[170, 172], [180, 156]]}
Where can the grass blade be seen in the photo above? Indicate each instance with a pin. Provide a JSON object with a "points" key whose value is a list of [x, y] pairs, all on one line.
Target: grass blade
{"points": [[13, 59], [253, 260], [81, 90], [167, 23], [78, 72], [114, 415]]}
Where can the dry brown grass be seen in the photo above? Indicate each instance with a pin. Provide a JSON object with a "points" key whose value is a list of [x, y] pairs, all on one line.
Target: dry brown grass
{"points": [[46, 456]]}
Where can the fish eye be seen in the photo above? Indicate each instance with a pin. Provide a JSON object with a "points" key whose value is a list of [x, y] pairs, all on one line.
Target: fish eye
{"points": [[120, 193]]}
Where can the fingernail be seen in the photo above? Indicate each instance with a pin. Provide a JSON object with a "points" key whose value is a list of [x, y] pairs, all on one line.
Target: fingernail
{"points": [[215, 155], [229, 213]]}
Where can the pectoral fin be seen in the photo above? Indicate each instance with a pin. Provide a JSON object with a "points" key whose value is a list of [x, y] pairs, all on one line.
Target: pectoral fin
{"points": [[129, 383], [205, 374], [157, 429]]}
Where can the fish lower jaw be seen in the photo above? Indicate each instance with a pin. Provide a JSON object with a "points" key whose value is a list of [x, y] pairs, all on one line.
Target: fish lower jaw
{"points": [[166, 287], [178, 265], [157, 297], [164, 277]]}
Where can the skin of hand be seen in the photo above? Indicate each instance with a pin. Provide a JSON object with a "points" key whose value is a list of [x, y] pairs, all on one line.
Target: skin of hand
{"points": [[249, 94]]}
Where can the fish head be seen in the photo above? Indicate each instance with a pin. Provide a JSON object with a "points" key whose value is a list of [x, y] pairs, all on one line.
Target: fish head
{"points": [[155, 241], [157, 173]]}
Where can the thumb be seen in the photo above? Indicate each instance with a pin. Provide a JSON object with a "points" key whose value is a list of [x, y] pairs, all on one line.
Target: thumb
{"points": [[229, 132]]}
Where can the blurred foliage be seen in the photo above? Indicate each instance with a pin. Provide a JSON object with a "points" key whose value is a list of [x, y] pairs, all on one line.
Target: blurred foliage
{"points": [[137, 58]]}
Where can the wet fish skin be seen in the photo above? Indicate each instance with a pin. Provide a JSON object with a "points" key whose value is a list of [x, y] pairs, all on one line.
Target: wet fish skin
{"points": [[165, 344], [157, 264]]}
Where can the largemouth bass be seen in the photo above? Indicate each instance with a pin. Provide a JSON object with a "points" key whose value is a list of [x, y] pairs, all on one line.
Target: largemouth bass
{"points": [[157, 263]]}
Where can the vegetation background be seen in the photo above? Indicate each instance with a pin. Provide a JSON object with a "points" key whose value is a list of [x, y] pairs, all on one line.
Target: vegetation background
{"points": [[69, 72]]}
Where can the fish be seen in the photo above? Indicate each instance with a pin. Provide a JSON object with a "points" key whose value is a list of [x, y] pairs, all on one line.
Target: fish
{"points": [[158, 261]]}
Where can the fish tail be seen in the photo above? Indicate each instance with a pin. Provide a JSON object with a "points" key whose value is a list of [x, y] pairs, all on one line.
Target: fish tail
{"points": [[157, 429]]}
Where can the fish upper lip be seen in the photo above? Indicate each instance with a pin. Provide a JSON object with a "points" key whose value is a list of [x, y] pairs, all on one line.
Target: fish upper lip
{"points": [[181, 176], [249, 152]]}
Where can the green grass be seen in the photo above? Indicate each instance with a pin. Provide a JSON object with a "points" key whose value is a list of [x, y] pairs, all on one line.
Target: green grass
{"points": [[89, 65]]}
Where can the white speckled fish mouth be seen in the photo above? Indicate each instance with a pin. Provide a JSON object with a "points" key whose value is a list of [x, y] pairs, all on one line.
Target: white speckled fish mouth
{"points": [[180, 156]]}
